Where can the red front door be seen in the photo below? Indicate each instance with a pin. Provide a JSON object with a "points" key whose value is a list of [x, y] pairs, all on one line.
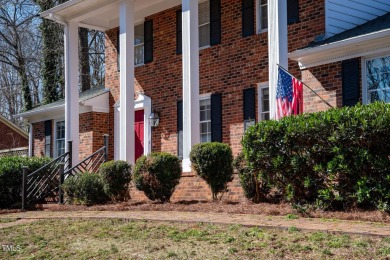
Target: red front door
{"points": [[139, 133]]}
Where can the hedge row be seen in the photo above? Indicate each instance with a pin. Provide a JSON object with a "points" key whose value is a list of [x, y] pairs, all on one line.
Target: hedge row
{"points": [[11, 178], [337, 159]]}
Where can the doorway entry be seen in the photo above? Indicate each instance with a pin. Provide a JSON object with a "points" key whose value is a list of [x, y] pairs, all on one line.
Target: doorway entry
{"points": [[139, 124]]}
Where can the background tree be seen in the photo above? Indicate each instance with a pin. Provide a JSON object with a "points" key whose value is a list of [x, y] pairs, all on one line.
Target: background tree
{"points": [[20, 46]]}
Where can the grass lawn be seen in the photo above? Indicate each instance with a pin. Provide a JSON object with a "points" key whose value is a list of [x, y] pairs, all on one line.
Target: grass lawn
{"points": [[116, 239]]}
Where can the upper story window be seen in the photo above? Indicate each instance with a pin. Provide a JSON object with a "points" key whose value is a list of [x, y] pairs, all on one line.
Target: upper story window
{"points": [[262, 15], [205, 120], [204, 23], [139, 41], [377, 79]]}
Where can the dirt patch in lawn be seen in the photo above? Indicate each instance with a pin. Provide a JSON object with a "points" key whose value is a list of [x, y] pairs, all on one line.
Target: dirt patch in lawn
{"points": [[230, 207]]}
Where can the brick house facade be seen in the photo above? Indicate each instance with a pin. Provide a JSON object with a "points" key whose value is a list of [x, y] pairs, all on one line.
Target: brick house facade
{"points": [[12, 136], [235, 71]]}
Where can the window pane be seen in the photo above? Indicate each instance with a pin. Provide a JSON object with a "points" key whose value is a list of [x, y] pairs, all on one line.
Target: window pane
{"points": [[204, 23], [204, 35], [139, 54], [204, 12], [203, 116], [378, 79], [139, 34], [264, 17]]}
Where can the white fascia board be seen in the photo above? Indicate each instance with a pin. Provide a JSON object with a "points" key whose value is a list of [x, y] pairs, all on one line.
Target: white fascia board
{"points": [[350, 48], [96, 104], [48, 13]]}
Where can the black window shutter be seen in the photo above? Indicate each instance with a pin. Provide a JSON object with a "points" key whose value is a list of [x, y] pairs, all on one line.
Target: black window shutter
{"points": [[248, 18], [179, 45], [216, 118], [118, 51], [351, 83], [249, 104], [48, 132], [215, 22], [180, 129], [148, 34], [292, 11]]}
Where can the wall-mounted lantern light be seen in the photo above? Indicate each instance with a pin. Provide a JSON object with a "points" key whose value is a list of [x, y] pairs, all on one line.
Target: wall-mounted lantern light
{"points": [[154, 118], [248, 123]]}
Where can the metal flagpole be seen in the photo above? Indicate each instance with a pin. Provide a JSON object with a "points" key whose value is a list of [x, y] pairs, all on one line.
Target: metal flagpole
{"points": [[326, 102]]}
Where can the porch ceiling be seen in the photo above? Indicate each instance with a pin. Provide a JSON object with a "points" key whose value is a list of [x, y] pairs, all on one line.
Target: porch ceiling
{"points": [[103, 15]]}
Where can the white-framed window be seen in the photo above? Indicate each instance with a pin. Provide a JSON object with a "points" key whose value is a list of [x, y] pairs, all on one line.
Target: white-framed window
{"points": [[376, 79], [261, 15], [139, 41], [59, 138], [205, 119], [263, 101], [204, 23]]}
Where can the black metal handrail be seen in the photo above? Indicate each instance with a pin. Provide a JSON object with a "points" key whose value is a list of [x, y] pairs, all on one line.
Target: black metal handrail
{"points": [[47, 180], [89, 164], [44, 181]]}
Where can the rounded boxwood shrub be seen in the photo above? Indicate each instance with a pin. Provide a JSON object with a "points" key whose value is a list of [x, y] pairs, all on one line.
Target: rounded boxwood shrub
{"points": [[116, 177], [334, 159], [157, 175], [85, 188], [213, 162], [11, 177]]}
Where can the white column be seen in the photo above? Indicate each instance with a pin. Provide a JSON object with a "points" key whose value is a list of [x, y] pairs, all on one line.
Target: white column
{"points": [[277, 46], [191, 128], [126, 121], [72, 88]]}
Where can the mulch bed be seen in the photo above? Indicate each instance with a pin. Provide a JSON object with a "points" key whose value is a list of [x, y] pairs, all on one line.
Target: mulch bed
{"points": [[230, 207]]}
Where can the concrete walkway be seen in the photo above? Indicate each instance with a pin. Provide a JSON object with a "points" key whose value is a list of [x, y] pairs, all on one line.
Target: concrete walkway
{"points": [[273, 222]]}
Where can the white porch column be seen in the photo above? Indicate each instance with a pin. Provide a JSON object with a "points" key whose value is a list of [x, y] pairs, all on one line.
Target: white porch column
{"points": [[277, 46], [191, 128], [126, 118], [71, 40]]}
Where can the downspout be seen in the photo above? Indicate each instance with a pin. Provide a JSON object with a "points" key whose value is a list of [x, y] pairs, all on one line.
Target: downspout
{"points": [[30, 140]]}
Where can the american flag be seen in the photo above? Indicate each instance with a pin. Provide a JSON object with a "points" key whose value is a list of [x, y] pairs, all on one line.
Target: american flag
{"points": [[289, 95]]}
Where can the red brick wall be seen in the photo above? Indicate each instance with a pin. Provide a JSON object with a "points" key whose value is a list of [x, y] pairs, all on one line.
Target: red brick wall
{"points": [[326, 81], [39, 139], [9, 138], [192, 187], [93, 126], [228, 68]]}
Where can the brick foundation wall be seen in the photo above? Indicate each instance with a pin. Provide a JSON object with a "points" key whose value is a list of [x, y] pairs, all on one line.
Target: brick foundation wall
{"points": [[193, 188], [10, 138]]}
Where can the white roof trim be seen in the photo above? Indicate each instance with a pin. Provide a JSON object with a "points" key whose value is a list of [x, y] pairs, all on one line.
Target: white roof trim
{"points": [[99, 103], [359, 46], [13, 126]]}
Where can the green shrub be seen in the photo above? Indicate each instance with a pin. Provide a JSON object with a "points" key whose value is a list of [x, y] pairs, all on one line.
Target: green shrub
{"points": [[116, 176], [11, 177], [250, 180], [213, 162], [157, 175], [85, 188], [336, 159]]}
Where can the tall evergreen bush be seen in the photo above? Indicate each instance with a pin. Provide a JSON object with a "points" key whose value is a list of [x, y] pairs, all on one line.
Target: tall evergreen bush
{"points": [[338, 159]]}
